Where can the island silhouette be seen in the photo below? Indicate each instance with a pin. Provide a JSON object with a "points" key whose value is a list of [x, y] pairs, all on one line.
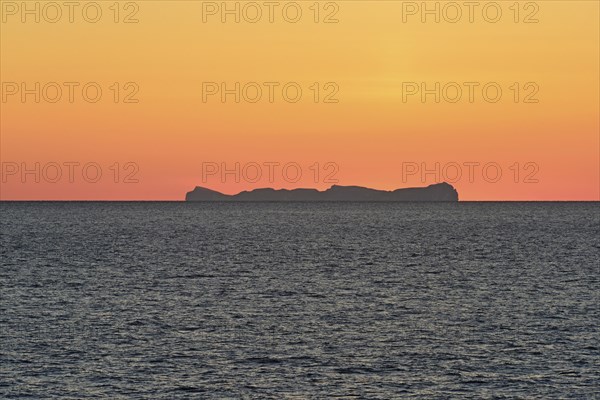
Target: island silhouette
{"points": [[432, 193]]}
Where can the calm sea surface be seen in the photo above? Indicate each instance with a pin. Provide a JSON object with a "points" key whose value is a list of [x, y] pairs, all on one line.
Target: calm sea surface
{"points": [[298, 300]]}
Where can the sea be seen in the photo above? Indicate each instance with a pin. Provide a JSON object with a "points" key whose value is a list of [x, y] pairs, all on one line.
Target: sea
{"points": [[144, 300]]}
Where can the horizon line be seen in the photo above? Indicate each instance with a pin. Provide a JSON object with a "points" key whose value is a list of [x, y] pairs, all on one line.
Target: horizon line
{"points": [[294, 201]]}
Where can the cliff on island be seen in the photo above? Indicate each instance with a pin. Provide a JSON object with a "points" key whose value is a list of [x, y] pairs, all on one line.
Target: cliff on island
{"points": [[431, 193]]}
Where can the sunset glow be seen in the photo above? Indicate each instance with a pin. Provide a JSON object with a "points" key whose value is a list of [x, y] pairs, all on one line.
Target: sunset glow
{"points": [[365, 122]]}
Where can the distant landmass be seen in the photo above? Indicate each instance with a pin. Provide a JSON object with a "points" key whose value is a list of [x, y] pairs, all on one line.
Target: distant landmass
{"points": [[436, 192]]}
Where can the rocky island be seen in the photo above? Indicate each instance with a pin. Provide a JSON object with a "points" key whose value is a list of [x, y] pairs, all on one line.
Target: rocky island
{"points": [[431, 193]]}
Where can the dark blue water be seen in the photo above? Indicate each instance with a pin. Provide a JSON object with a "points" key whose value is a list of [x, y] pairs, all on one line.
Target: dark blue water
{"points": [[175, 300]]}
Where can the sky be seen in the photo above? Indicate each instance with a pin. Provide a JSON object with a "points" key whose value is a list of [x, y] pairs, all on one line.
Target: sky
{"points": [[146, 100]]}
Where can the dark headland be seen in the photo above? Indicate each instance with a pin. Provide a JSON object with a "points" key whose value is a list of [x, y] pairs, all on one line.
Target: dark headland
{"points": [[437, 192]]}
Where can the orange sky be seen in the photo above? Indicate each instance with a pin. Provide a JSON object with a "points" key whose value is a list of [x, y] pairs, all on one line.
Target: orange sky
{"points": [[370, 57]]}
